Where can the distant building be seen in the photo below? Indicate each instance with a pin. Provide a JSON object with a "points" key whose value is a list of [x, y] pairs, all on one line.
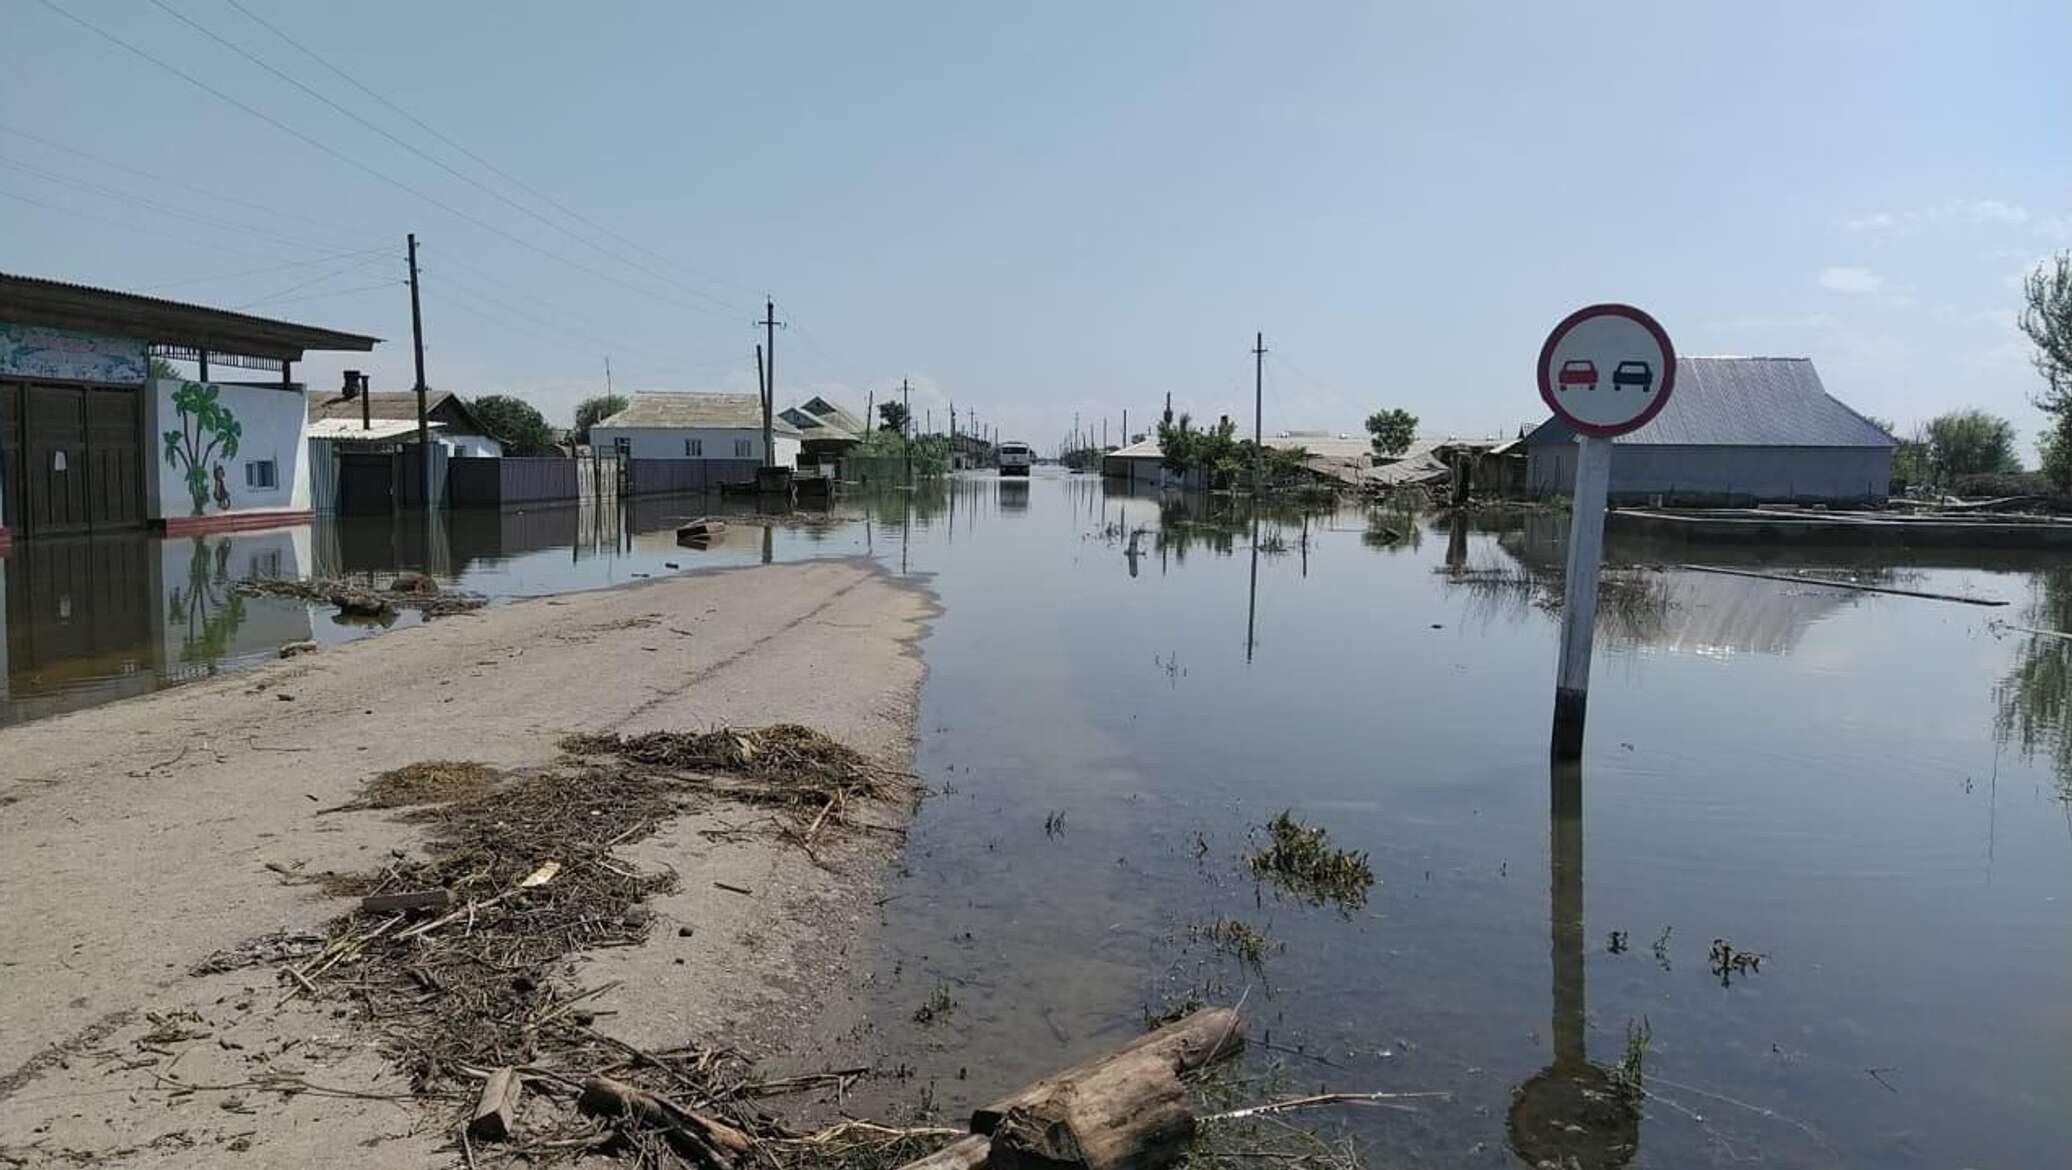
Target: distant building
{"points": [[458, 430], [1736, 430], [660, 425], [826, 431]]}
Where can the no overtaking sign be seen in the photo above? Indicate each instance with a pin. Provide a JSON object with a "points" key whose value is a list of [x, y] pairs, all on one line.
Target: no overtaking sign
{"points": [[1607, 369]]}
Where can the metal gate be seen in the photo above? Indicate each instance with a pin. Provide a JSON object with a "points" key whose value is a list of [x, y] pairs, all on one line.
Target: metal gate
{"points": [[366, 482], [74, 457]]}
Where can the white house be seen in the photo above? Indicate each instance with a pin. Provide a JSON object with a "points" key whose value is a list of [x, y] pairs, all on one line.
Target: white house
{"points": [[458, 430], [659, 425]]}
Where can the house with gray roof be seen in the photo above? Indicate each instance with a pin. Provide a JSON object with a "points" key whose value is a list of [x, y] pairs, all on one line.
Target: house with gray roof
{"points": [[1737, 430], [674, 425]]}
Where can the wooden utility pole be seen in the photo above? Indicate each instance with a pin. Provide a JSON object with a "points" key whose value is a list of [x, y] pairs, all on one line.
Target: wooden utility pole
{"points": [[762, 383], [906, 426], [1258, 412], [424, 428], [1125, 426], [769, 324]]}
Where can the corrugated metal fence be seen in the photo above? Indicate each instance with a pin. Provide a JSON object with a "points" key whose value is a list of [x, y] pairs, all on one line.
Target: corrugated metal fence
{"points": [[647, 477], [481, 482]]}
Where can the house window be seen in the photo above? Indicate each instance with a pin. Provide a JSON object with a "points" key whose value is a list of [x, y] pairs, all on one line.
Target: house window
{"points": [[260, 473], [744, 448], [622, 447], [694, 448]]}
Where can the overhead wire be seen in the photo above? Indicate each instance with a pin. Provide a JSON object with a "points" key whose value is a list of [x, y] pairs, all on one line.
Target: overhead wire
{"points": [[427, 156], [343, 157], [268, 268], [126, 225], [314, 280], [342, 292], [165, 209], [170, 180], [378, 96]]}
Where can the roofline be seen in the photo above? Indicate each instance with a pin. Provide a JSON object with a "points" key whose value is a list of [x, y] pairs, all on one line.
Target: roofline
{"points": [[35, 300]]}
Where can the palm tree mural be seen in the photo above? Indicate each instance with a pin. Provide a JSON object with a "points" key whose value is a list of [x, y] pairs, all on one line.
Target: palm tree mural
{"points": [[207, 429]]}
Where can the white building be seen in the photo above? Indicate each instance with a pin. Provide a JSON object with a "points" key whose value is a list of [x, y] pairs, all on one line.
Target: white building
{"points": [[456, 427], [659, 425]]}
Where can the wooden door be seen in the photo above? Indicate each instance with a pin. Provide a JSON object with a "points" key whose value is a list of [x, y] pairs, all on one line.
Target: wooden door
{"points": [[116, 457]]}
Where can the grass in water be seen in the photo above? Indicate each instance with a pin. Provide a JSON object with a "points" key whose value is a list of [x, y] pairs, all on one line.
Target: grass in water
{"points": [[1299, 858], [1229, 935]]}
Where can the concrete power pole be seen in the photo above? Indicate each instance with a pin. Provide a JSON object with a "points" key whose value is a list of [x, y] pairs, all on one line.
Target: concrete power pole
{"points": [[769, 324], [1258, 412], [424, 429], [906, 426]]}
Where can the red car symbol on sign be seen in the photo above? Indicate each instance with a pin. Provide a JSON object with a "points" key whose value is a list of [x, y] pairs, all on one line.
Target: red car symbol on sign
{"points": [[1580, 372]]}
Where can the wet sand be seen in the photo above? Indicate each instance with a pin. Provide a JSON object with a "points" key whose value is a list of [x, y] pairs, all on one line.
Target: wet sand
{"points": [[135, 841]]}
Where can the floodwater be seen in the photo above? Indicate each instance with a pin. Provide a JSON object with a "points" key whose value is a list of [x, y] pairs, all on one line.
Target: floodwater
{"points": [[1873, 792]]}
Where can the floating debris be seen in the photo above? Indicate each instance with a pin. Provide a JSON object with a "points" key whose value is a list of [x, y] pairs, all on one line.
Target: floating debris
{"points": [[1233, 937], [1728, 962], [1299, 858], [413, 591]]}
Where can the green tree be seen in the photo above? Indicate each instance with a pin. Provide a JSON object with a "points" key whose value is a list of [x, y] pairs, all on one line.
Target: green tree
{"points": [[207, 429], [892, 417], [515, 423], [2054, 452], [591, 411], [2047, 320], [1391, 431], [1971, 442], [1911, 464]]}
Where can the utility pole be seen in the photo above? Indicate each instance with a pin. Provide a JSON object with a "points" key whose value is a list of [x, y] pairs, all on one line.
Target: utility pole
{"points": [[1125, 426], [1258, 411], [424, 429], [769, 324], [607, 375], [906, 427]]}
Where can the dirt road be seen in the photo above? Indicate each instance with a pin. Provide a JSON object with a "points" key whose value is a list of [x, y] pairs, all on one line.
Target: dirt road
{"points": [[135, 840]]}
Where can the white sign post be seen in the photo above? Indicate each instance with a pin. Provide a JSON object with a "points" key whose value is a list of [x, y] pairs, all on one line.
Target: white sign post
{"points": [[1605, 370]]}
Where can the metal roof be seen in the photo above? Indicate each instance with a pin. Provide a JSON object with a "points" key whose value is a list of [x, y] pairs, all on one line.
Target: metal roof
{"points": [[832, 415], [380, 404], [676, 410], [383, 430], [33, 300], [1743, 402]]}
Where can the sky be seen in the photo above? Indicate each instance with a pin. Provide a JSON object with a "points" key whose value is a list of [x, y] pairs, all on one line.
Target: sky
{"points": [[1048, 209]]}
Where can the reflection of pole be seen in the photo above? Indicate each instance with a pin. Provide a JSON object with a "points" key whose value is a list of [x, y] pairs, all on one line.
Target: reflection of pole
{"points": [[1457, 542], [1565, 900], [1579, 610], [769, 541], [1252, 595]]}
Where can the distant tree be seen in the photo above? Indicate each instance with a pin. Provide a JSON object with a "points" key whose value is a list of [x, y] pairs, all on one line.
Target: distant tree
{"points": [[892, 416], [591, 411], [1911, 464], [515, 423], [2054, 452], [1391, 431], [1971, 442]]}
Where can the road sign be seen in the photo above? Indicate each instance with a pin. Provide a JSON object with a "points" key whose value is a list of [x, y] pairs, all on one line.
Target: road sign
{"points": [[1607, 370]]}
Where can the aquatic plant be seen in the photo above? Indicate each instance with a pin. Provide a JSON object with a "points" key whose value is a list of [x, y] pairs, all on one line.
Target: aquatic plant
{"points": [[1300, 859]]}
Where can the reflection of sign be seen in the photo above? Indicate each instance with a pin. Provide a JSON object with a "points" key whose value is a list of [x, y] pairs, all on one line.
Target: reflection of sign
{"points": [[38, 351], [1618, 338], [57, 460]]}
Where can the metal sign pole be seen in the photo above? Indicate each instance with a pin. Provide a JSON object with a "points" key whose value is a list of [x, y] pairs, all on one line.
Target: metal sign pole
{"points": [[1579, 601]]}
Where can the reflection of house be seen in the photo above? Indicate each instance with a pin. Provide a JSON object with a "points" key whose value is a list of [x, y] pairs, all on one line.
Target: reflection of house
{"points": [[458, 430], [91, 441], [660, 425], [1736, 430]]}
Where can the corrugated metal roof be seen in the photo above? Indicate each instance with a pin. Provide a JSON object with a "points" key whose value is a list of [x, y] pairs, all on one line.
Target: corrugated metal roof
{"points": [[39, 300], [1146, 449], [833, 415], [383, 430], [1744, 402], [380, 404], [671, 410]]}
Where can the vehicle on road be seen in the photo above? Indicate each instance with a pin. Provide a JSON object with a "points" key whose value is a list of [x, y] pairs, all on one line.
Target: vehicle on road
{"points": [[1578, 372], [1015, 458], [1638, 374]]}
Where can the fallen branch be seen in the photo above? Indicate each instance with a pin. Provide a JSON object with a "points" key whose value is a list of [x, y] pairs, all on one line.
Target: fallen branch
{"points": [[1318, 1099]]}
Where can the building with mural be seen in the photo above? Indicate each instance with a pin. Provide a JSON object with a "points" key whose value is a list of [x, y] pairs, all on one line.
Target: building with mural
{"points": [[92, 441]]}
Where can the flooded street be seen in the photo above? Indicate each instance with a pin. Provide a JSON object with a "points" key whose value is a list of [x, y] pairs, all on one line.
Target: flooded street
{"points": [[1869, 791]]}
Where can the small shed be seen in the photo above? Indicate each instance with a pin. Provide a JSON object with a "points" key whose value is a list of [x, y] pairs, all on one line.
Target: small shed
{"points": [[1737, 430], [458, 430]]}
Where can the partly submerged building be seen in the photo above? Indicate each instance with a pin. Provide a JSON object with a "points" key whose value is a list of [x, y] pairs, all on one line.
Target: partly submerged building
{"points": [[671, 425], [93, 439], [454, 425], [1736, 430]]}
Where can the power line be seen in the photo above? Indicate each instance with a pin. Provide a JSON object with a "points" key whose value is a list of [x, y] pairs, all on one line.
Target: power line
{"points": [[259, 271], [341, 156], [406, 145], [566, 320], [170, 180], [313, 280], [128, 226], [377, 95], [343, 292], [561, 326], [166, 209]]}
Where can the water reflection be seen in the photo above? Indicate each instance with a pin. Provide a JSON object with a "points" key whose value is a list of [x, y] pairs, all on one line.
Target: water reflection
{"points": [[1570, 1114], [2030, 699]]}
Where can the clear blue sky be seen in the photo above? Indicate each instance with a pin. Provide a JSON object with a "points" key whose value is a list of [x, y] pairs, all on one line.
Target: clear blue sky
{"points": [[1054, 207]]}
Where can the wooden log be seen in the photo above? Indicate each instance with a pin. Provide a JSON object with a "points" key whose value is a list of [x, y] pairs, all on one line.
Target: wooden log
{"points": [[1207, 1036], [406, 903], [1129, 1113], [966, 1153], [496, 1110], [711, 1143]]}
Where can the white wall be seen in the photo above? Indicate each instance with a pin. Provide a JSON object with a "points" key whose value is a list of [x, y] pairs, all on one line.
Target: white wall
{"points": [[271, 422], [659, 443], [473, 446], [206, 624]]}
